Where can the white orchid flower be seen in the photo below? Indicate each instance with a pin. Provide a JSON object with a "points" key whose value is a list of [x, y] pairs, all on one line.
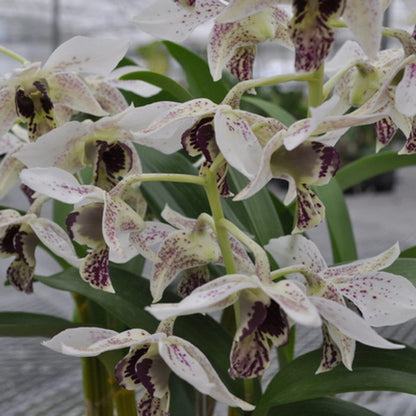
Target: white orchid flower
{"points": [[101, 220], [380, 298], [19, 236], [149, 362], [32, 92], [192, 244], [263, 306]]}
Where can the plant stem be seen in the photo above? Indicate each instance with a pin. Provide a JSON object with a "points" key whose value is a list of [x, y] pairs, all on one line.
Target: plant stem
{"points": [[13, 55], [315, 85], [125, 401], [234, 95]]}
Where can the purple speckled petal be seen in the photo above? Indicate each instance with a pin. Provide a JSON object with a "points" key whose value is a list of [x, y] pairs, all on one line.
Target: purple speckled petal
{"points": [[331, 355], [214, 295], [410, 145], [405, 98], [20, 274], [357, 14], [182, 250], [59, 184], [55, 238], [385, 130], [119, 221], [70, 90], [310, 210], [382, 298], [242, 61], [310, 32], [94, 269], [153, 406], [167, 19], [177, 220], [237, 142], [364, 266], [7, 108], [87, 55], [296, 249], [192, 279], [92, 341], [190, 364], [294, 302], [350, 324]]}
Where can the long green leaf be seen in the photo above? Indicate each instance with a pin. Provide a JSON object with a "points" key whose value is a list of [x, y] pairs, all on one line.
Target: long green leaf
{"points": [[165, 83], [197, 73], [373, 369], [25, 324], [329, 406], [370, 166], [338, 221]]}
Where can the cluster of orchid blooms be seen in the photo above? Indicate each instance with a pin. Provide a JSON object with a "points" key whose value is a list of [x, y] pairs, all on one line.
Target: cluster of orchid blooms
{"points": [[45, 148]]}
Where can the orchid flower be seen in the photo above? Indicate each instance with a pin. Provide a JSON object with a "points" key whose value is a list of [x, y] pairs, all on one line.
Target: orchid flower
{"points": [[102, 144], [191, 245], [149, 362], [379, 298], [263, 307], [102, 220], [33, 92], [19, 236]]}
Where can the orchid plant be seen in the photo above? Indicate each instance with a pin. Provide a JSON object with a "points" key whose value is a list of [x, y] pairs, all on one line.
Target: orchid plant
{"points": [[189, 275]]}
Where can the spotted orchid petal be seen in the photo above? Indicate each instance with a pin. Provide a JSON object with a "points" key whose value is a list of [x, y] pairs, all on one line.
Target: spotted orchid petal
{"points": [[296, 249], [227, 40], [83, 54], [310, 33], [190, 364], [10, 168], [59, 184], [350, 323], [192, 279], [385, 130], [405, 100], [7, 108], [293, 301], [174, 21], [410, 145], [182, 250], [237, 142], [90, 342], [357, 14], [214, 295]]}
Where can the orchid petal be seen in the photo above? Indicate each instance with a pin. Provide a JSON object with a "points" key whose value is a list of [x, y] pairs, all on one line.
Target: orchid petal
{"points": [[85, 54], [331, 355], [20, 274], [61, 147], [7, 108], [90, 341], [296, 249], [177, 220], [10, 168], [241, 63], [239, 9], [382, 298], [351, 324], [182, 250], [9, 143], [362, 267], [237, 142], [192, 279], [55, 238], [59, 184], [385, 130], [169, 20], [190, 364], [410, 145], [71, 91], [293, 300], [405, 99], [94, 269], [149, 405], [310, 211], [214, 295], [345, 345], [357, 14]]}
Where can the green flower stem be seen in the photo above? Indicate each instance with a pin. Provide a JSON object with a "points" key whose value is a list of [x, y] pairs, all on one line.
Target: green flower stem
{"points": [[234, 95], [278, 274], [13, 55], [315, 85], [125, 401]]}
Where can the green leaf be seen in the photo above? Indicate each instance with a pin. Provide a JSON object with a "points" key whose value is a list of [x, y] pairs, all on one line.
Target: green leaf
{"points": [[165, 83], [370, 166], [404, 267], [338, 221], [25, 324], [197, 74], [323, 406], [271, 109], [410, 252], [257, 213], [373, 370]]}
